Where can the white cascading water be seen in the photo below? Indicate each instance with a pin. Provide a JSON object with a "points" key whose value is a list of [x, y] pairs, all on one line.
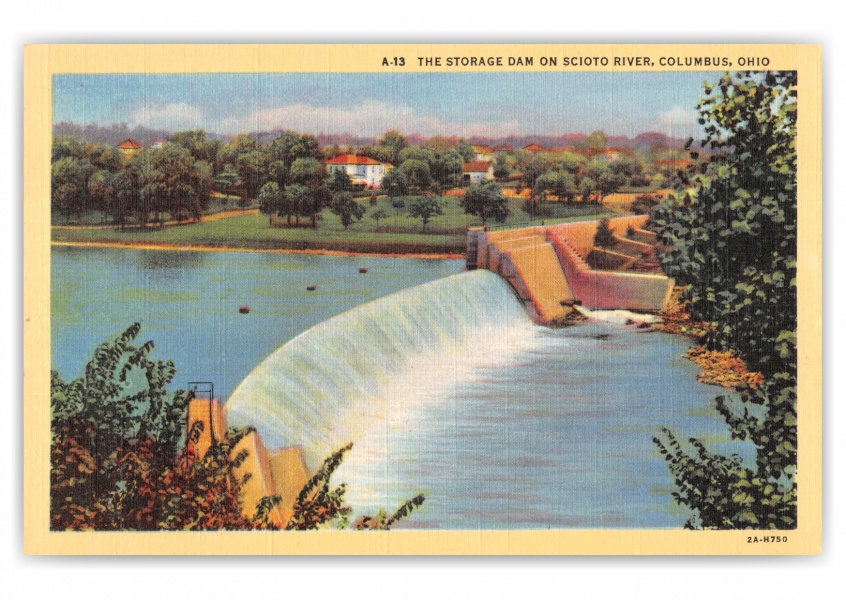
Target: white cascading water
{"points": [[331, 384]]}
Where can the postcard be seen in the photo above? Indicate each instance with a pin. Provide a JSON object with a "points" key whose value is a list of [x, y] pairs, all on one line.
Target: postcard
{"points": [[422, 299]]}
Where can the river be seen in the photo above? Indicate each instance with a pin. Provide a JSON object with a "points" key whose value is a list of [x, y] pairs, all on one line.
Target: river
{"points": [[439, 378]]}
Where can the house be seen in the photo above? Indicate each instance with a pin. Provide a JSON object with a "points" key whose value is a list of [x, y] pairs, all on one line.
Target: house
{"points": [[158, 144], [481, 152], [500, 148], [129, 148], [361, 169], [477, 171], [533, 148]]}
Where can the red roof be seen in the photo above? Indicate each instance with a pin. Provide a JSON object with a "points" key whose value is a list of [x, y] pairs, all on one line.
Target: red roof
{"points": [[351, 159], [482, 149], [533, 148], [130, 144], [476, 166], [502, 147]]}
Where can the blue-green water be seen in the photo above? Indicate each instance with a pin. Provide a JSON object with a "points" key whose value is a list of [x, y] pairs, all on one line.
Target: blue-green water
{"points": [[501, 423], [187, 302]]}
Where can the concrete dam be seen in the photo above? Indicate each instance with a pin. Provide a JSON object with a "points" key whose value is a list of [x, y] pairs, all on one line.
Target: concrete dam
{"points": [[324, 388]]}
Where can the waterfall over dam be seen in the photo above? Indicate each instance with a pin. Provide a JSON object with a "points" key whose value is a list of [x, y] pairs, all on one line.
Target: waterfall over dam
{"points": [[332, 383]]}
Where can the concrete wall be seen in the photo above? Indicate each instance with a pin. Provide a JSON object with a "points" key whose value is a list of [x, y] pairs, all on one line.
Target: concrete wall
{"points": [[283, 472], [609, 289], [572, 243]]}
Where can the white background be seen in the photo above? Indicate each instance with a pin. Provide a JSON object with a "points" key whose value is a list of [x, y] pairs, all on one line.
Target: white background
{"points": [[523, 21]]}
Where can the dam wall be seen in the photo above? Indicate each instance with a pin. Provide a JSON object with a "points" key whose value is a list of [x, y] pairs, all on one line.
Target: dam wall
{"points": [[547, 266], [282, 472]]}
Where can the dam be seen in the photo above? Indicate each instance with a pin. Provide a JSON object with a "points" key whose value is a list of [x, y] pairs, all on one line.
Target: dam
{"points": [[376, 374]]}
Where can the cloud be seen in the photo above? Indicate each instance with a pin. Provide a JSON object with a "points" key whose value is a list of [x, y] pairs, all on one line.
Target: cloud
{"points": [[369, 118], [171, 117], [678, 122]]}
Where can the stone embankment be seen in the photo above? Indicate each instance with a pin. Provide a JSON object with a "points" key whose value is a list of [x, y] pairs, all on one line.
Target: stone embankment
{"points": [[548, 267]]}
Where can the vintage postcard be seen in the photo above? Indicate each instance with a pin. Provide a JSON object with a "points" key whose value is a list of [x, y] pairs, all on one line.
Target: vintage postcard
{"points": [[434, 299]]}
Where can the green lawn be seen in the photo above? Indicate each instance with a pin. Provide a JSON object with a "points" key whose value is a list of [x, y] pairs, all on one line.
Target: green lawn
{"points": [[397, 233]]}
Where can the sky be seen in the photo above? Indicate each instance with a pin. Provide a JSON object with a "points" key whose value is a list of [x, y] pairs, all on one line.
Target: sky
{"points": [[368, 104]]}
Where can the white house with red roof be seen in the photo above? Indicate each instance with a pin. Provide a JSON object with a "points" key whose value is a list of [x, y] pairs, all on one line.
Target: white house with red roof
{"points": [[158, 144], [477, 171], [361, 169]]}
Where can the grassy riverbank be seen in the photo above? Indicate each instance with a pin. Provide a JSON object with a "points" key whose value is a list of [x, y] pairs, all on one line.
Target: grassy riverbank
{"points": [[396, 233]]}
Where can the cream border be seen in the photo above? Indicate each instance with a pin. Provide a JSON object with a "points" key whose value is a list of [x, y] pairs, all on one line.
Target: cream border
{"points": [[42, 61]]}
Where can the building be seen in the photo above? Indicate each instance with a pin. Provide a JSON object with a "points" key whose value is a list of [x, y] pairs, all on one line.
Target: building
{"points": [[533, 148], [361, 169], [158, 144], [129, 148], [477, 171], [481, 152]]}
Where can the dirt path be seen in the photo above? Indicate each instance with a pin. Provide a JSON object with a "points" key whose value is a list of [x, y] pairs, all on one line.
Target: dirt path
{"points": [[226, 214]]}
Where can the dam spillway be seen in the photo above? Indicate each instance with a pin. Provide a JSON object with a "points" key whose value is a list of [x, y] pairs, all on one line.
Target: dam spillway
{"points": [[327, 386]]}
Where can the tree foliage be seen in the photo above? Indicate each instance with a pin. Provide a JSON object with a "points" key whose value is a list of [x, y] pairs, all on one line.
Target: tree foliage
{"points": [[425, 208], [731, 238], [346, 208], [486, 201], [120, 458]]}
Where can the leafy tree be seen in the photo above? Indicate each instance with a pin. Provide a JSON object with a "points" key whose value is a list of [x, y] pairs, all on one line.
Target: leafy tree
{"points": [[425, 208], [732, 240], [120, 458], [67, 147], [395, 183], [392, 143], [446, 168], [604, 236], [69, 185], [465, 148], [347, 209], [175, 185], [486, 201], [377, 215], [253, 167], [290, 145], [128, 183], [340, 181], [272, 201], [102, 191], [418, 174], [500, 167], [296, 198], [557, 183], [310, 173]]}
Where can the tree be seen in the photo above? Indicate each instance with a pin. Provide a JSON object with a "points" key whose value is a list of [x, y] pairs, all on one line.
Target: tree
{"points": [[604, 236], [417, 173], [175, 185], [732, 240], [560, 184], [69, 185], [272, 201], [446, 168], [290, 145], [395, 183], [128, 183], [310, 173], [347, 209], [486, 201], [340, 181], [378, 214], [120, 458], [102, 192], [392, 143], [425, 208], [253, 170], [296, 198]]}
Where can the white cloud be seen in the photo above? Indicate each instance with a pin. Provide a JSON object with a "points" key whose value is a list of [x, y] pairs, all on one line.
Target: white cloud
{"points": [[370, 118], [678, 122], [172, 117]]}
